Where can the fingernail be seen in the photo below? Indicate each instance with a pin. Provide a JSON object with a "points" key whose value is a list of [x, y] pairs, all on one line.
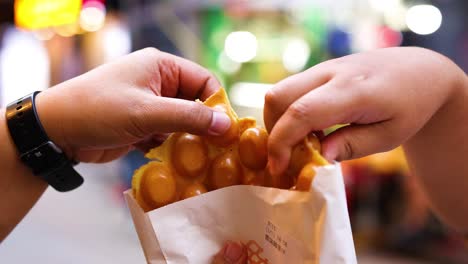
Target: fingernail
{"points": [[233, 252], [220, 123]]}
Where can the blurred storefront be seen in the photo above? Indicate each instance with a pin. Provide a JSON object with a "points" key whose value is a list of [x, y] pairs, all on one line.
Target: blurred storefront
{"points": [[250, 46]]}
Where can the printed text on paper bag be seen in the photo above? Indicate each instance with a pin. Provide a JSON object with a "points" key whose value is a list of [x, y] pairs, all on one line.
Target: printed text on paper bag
{"points": [[274, 238], [279, 246]]}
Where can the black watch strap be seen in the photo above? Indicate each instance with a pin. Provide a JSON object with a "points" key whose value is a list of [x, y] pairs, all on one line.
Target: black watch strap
{"points": [[36, 150]]}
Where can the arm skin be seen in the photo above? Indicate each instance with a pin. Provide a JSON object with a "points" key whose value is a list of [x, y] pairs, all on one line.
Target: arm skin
{"points": [[438, 156], [99, 116], [19, 188]]}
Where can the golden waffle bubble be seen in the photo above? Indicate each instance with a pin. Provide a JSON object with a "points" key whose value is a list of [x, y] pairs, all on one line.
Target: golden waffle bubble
{"points": [[193, 190], [187, 165], [253, 148]]}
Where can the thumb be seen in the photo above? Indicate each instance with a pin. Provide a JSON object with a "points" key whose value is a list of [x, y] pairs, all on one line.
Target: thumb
{"points": [[231, 253], [165, 115], [356, 141]]}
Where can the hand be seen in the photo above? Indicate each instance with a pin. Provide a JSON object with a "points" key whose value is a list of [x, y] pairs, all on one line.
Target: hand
{"points": [[132, 102], [386, 96], [100, 115], [231, 253]]}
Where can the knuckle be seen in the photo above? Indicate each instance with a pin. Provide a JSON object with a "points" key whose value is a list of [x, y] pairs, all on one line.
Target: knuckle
{"points": [[271, 98], [151, 52], [298, 110], [331, 63], [337, 63], [169, 71], [349, 151], [149, 65], [274, 145], [138, 117], [198, 112], [196, 117], [387, 136]]}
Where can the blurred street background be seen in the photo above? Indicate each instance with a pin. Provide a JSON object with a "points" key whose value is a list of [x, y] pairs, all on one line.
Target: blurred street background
{"points": [[249, 46]]}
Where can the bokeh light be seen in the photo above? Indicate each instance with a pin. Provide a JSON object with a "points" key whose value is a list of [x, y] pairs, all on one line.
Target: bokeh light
{"points": [[92, 16], [227, 65], [423, 19], [241, 46], [24, 65], [384, 5], [117, 41], [296, 54], [364, 36], [249, 94], [394, 17], [339, 42], [389, 37]]}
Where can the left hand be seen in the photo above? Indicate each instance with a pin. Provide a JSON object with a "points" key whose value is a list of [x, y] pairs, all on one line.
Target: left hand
{"points": [[385, 102]]}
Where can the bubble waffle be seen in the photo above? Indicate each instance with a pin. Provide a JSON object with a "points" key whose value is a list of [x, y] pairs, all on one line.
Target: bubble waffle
{"points": [[187, 165]]}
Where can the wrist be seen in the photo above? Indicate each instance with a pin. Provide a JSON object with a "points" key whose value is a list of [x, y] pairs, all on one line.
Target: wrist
{"points": [[458, 97], [451, 88], [49, 114], [36, 150], [461, 85], [9, 149], [449, 77], [16, 176], [436, 155], [453, 110]]}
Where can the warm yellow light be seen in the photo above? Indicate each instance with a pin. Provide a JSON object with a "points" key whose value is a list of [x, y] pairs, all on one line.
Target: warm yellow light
{"points": [[68, 30], [36, 14]]}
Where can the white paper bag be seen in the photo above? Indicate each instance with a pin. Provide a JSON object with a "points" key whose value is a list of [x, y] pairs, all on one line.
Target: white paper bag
{"points": [[277, 226]]}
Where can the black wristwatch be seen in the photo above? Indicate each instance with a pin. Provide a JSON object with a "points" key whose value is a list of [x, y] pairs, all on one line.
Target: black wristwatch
{"points": [[35, 148]]}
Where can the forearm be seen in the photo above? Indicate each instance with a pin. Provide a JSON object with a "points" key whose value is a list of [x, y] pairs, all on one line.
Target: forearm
{"points": [[438, 156], [19, 188]]}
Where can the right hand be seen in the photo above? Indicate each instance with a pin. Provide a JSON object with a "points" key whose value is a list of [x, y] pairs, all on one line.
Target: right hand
{"points": [[386, 96], [133, 101]]}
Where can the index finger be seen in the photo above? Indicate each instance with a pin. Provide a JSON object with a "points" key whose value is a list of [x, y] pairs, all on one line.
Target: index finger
{"points": [[316, 110], [185, 79], [286, 92]]}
